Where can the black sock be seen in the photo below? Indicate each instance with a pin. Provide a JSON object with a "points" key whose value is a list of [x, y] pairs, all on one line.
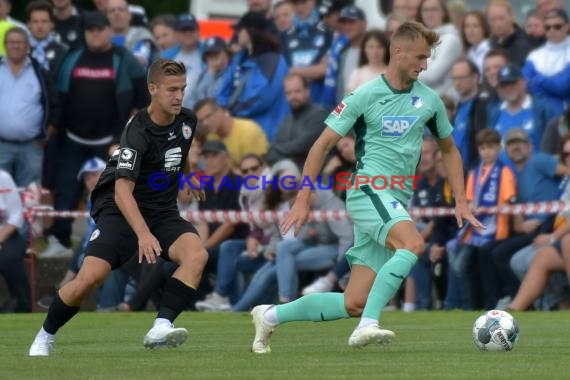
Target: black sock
{"points": [[58, 315], [175, 298]]}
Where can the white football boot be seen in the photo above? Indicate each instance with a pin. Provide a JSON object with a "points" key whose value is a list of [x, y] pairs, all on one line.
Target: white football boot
{"points": [[371, 334], [263, 330], [42, 345], [165, 336]]}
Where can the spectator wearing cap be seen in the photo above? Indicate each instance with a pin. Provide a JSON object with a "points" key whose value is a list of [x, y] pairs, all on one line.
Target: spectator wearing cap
{"points": [[518, 108], [45, 49], [216, 55], [435, 15], [137, 39], [68, 24], [222, 193], [240, 136], [13, 247], [100, 86], [30, 110], [505, 33], [344, 54], [283, 12], [538, 177], [305, 46], [252, 86], [187, 51], [547, 69]]}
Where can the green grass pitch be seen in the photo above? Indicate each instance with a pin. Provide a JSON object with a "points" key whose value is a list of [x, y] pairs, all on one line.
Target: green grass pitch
{"points": [[429, 345]]}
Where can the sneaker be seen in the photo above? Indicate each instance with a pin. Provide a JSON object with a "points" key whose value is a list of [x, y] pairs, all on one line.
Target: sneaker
{"points": [[263, 330], [214, 302], [370, 334], [320, 285], [42, 345], [165, 336], [55, 249]]}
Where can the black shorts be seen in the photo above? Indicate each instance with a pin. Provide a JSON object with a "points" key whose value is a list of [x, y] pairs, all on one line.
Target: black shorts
{"points": [[115, 241]]}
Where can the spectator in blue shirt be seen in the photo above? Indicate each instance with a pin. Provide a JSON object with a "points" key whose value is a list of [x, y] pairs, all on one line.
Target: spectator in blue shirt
{"points": [[519, 109]]}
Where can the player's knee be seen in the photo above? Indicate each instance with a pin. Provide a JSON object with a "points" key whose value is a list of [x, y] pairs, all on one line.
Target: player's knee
{"points": [[195, 258], [85, 284], [354, 308], [415, 244], [201, 257]]}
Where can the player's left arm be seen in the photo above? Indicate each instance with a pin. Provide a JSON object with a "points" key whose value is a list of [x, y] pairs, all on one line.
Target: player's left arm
{"points": [[454, 168]]}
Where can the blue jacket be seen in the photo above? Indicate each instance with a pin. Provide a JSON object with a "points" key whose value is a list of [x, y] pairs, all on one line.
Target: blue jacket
{"points": [[262, 97], [547, 71]]}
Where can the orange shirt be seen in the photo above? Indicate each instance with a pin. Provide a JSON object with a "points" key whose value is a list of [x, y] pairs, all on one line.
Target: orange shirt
{"points": [[507, 190]]}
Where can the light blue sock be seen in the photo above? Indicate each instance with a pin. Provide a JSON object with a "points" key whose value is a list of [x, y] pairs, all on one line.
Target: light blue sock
{"points": [[387, 282], [317, 307]]}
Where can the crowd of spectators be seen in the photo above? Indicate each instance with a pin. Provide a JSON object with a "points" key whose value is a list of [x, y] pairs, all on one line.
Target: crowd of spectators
{"points": [[70, 79]]}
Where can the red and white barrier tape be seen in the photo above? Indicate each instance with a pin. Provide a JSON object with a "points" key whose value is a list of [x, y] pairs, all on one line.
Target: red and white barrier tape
{"points": [[234, 216], [26, 190]]}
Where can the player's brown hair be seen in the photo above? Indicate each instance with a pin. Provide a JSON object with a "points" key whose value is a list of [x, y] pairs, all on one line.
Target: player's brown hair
{"points": [[488, 136], [412, 31], [163, 68]]}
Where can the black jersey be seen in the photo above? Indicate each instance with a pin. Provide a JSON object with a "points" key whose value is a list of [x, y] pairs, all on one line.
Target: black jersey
{"points": [[152, 156]]}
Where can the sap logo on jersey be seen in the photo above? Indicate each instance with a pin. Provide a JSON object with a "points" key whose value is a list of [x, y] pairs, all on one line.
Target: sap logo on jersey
{"points": [[127, 158], [397, 126]]}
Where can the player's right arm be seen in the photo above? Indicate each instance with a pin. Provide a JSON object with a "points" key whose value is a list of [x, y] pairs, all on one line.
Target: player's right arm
{"points": [[134, 146], [339, 123], [313, 165], [149, 246]]}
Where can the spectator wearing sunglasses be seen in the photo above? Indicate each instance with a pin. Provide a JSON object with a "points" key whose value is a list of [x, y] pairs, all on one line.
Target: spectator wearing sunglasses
{"points": [[547, 69]]}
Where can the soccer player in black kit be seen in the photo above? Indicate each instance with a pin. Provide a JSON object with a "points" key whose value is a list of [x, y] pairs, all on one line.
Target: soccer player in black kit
{"points": [[130, 214]]}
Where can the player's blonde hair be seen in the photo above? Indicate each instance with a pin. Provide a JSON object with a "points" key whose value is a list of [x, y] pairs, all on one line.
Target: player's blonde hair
{"points": [[412, 31], [164, 67]]}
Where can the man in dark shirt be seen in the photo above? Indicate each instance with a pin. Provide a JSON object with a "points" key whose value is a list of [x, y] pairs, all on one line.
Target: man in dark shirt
{"points": [[505, 33], [100, 85], [134, 206], [68, 23], [299, 130]]}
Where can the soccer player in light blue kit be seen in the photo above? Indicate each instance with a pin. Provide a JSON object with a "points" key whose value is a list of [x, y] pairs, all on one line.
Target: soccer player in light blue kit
{"points": [[388, 115]]}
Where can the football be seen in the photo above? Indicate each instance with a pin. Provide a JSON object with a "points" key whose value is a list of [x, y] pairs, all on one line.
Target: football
{"points": [[495, 330]]}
